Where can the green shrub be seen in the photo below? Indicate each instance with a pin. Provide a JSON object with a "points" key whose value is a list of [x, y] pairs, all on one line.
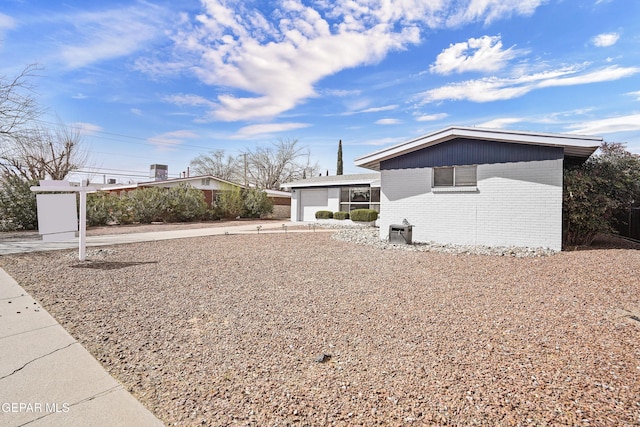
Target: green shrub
{"points": [[324, 215], [341, 215], [146, 204], [229, 202], [103, 208], [364, 215], [256, 203], [17, 205], [184, 203]]}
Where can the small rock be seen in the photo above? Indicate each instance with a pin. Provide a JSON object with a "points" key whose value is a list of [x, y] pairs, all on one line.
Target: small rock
{"points": [[323, 358]]}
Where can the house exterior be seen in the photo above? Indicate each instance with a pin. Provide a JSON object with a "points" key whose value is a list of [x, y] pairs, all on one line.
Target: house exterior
{"points": [[333, 193], [475, 186], [209, 185]]}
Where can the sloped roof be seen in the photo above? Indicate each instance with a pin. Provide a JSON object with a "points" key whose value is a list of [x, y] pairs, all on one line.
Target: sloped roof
{"points": [[580, 146], [277, 193], [372, 179], [186, 179]]}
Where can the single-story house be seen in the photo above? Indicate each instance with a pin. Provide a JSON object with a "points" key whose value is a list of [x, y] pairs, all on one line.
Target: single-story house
{"points": [[333, 193], [476, 186], [209, 185]]}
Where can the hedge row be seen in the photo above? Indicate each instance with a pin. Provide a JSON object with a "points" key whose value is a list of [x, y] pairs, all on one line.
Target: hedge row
{"points": [[145, 205], [358, 215], [182, 203]]}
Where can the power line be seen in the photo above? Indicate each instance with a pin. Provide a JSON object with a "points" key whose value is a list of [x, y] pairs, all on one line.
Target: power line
{"points": [[143, 141]]}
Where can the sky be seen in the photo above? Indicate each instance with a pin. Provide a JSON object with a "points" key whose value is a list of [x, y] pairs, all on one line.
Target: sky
{"points": [[163, 81]]}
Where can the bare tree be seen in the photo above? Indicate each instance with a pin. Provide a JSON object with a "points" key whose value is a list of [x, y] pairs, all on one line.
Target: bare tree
{"points": [[41, 153], [28, 150], [216, 164], [18, 106], [283, 161]]}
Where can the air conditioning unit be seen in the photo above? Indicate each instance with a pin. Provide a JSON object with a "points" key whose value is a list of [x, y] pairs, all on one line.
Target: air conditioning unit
{"points": [[159, 172]]}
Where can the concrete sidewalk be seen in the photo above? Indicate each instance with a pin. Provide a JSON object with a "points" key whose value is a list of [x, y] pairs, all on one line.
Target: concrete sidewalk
{"points": [[46, 377], [36, 245]]}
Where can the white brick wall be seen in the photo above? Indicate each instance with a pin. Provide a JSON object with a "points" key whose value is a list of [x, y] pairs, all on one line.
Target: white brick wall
{"points": [[517, 204]]}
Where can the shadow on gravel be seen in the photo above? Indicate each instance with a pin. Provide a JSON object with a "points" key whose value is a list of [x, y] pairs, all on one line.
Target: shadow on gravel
{"points": [[110, 265], [607, 241]]}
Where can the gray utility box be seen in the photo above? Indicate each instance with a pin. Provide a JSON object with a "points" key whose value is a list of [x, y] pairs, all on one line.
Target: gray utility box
{"points": [[400, 233]]}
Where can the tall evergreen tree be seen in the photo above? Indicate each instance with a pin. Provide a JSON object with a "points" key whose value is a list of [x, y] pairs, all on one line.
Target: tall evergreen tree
{"points": [[339, 169]]}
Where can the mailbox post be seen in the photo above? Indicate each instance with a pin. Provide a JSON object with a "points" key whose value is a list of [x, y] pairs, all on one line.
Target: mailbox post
{"points": [[64, 187]]}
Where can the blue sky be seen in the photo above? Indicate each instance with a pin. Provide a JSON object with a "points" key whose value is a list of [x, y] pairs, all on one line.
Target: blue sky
{"points": [[163, 81]]}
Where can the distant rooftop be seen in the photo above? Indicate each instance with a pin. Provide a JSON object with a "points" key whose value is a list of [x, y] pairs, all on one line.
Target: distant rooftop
{"points": [[372, 178]]}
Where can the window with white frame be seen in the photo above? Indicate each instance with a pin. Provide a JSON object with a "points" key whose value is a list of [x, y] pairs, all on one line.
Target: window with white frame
{"points": [[455, 176], [359, 198]]}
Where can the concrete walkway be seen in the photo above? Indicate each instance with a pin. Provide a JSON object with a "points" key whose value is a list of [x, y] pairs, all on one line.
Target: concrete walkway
{"points": [[116, 239], [46, 377]]}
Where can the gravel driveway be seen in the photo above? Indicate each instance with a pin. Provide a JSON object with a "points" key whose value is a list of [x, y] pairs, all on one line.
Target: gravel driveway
{"points": [[276, 329]]}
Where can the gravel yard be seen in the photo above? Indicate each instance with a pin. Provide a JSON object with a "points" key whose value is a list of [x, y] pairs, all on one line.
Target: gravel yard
{"points": [[276, 329]]}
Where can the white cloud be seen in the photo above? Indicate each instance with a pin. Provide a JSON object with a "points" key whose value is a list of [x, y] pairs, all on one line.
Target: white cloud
{"points": [[495, 88], [500, 123], [431, 117], [388, 122], [269, 128], [378, 109], [491, 10], [169, 140], [271, 63], [634, 94], [104, 35], [630, 123], [79, 95], [483, 54], [136, 111], [605, 39], [6, 22], [341, 92], [85, 128], [189, 100]]}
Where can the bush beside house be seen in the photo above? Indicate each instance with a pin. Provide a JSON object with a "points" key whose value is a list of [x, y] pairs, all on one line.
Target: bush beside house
{"points": [[341, 215], [363, 215], [324, 215], [145, 205]]}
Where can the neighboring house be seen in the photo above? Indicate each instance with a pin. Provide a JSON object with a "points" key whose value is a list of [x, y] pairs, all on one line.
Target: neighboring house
{"points": [[209, 185], [478, 186], [333, 193]]}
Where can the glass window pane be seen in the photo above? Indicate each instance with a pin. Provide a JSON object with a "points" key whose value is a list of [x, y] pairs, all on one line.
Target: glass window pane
{"points": [[443, 177], [344, 207], [344, 194], [465, 176], [359, 194], [375, 195]]}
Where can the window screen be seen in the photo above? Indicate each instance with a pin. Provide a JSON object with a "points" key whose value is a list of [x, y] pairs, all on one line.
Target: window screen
{"points": [[465, 176], [443, 177], [458, 176]]}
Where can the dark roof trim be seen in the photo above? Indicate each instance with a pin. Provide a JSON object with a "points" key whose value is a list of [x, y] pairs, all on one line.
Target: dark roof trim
{"points": [[573, 145]]}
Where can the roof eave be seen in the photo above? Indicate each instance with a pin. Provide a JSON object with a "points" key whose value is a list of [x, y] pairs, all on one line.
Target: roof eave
{"points": [[573, 145]]}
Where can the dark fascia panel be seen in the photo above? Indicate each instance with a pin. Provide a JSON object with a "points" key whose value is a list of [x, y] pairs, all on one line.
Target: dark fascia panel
{"points": [[464, 151]]}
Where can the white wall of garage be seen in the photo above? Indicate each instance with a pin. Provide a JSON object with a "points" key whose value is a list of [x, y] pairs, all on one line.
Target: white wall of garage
{"points": [[305, 202]]}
